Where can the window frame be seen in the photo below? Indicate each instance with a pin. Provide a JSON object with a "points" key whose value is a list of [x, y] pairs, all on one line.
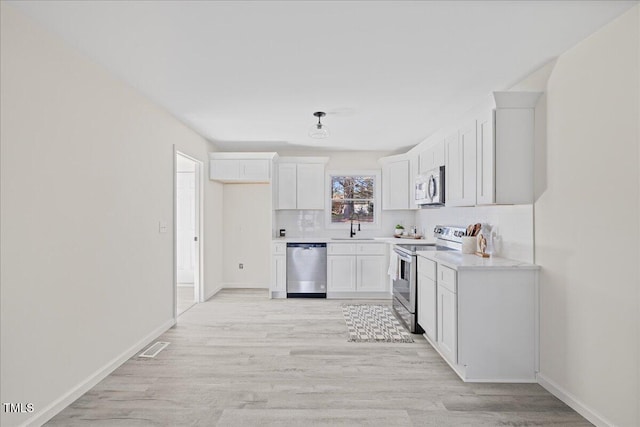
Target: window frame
{"points": [[377, 198]]}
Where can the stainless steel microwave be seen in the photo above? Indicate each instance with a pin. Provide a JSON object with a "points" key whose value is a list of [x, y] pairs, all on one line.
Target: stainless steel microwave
{"points": [[429, 189]]}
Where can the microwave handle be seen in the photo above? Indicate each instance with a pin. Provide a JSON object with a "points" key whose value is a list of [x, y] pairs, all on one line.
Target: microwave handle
{"points": [[432, 187]]}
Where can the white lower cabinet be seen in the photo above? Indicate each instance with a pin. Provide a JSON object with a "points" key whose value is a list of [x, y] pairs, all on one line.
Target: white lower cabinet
{"points": [[356, 270], [341, 273], [482, 321], [370, 276], [447, 324], [278, 282], [427, 313]]}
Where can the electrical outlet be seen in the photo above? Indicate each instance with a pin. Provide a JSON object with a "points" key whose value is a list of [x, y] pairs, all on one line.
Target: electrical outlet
{"points": [[241, 266]]}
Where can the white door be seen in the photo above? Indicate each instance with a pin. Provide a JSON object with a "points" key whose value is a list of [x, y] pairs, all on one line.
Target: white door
{"points": [[187, 204], [310, 186], [186, 225], [427, 306]]}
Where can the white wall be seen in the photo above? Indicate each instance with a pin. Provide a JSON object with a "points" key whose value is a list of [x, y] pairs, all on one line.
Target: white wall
{"points": [[587, 245], [310, 223], [247, 235], [87, 174]]}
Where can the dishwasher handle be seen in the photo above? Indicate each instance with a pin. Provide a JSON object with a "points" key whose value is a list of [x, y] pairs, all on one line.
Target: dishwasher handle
{"points": [[306, 245]]}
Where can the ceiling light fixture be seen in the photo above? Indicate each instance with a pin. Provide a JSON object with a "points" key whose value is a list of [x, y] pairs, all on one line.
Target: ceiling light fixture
{"points": [[319, 131]]}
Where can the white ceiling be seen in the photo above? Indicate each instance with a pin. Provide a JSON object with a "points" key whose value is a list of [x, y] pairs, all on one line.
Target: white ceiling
{"points": [[249, 75]]}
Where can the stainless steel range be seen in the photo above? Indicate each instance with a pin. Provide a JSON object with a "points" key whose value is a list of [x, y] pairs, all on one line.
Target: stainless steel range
{"points": [[405, 290]]}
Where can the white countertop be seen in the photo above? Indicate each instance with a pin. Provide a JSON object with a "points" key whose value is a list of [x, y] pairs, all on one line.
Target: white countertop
{"points": [[460, 261], [390, 240]]}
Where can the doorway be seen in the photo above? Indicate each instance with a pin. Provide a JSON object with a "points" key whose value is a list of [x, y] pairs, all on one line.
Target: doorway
{"points": [[188, 277]]}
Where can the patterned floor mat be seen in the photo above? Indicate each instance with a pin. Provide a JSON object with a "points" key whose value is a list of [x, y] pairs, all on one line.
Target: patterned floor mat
{"points": [[373, 323]]}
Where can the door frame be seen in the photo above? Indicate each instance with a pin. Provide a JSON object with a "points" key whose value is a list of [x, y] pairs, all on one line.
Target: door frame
{"points": [[198, 274]]}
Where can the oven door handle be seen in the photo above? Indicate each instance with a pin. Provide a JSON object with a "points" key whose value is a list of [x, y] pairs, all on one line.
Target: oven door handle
{"points": [[402, 255]]}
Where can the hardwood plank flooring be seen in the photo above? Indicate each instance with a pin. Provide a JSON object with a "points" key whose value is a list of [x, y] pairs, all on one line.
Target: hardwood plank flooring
{"points": [[241, 359], [185, 297]]}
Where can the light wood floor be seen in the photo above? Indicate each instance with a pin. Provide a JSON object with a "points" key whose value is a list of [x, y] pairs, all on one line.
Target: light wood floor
{"points": [[241, 359], [185, 297]]}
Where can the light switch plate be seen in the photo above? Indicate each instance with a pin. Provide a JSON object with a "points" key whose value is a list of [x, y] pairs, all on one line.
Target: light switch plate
{"points": [[163, 227]]}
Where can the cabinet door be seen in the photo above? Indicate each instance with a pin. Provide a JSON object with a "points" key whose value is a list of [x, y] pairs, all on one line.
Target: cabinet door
{"points": [[485, 173], [341, 273], [453, 170], [395, 188], [426, 160], [438, 154], [255, 170], [287, 186], [371, 275], [310, 187], [427, 315], [447, 324], [468, 153], [224, 169], [278, 273]]}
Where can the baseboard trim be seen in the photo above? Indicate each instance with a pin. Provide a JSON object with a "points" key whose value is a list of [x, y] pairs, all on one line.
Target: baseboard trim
{"points": [[233, 285], [58, 405], [212, 293], [573, 402]]}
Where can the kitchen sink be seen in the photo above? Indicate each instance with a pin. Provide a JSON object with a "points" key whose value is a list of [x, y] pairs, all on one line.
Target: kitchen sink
{"points": [[352, 238]]}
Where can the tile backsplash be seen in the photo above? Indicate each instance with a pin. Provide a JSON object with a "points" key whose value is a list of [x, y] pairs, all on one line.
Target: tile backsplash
{"points": [[512, 226], [311, 223]]}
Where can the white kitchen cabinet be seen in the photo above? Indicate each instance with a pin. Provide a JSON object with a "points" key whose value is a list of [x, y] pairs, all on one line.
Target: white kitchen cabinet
{"points": [[310, 186], [357, 270], [396, 183], [460, 169], [241, 167], [506, 139], [278, 283], [301, 183], [371, 273], [287, 189], [447, 320], [486, 318], [427, 297], [432, 158], [341, 273]]}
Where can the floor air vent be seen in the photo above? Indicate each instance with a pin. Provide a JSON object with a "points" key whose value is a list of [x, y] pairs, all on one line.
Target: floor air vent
{"points": [[154, 349]]}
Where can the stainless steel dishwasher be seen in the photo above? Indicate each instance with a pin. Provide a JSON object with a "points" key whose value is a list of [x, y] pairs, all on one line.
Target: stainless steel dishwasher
{"points": [[306, 270]]}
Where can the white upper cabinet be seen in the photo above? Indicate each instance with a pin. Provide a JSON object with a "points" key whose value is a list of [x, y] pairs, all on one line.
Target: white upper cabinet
{"points": [[396, 183], [432, 157], [301, 183], [241, 167], [485, 172], [310, 186], [460, 184], [506, 150], [287, 186]]}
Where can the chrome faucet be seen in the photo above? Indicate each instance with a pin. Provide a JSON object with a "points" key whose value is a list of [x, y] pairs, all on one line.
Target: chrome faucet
{"points": [[353, 232]]}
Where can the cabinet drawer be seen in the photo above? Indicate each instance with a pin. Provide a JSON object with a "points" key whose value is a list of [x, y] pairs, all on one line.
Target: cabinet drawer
{"points": [[370, 248], [427, 268], [341, 249], [279, 248], [447, 278]]}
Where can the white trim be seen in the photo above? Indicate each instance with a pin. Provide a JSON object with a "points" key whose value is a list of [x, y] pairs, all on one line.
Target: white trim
{"points": [[234, 285], [212, 293], [377, 198], [591, 415], [81, 388], [199, 201]]}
